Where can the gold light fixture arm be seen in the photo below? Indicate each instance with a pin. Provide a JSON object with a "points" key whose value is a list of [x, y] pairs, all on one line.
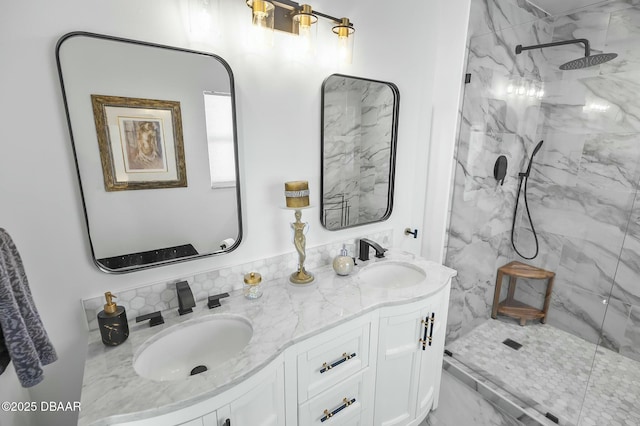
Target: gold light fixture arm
{"points": [[287, 12]]}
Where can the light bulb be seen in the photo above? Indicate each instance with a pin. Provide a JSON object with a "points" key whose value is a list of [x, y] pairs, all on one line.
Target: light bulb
{"points": [[305, 20], [344, 53], [305, 40], [261, 32], [344, 31]]}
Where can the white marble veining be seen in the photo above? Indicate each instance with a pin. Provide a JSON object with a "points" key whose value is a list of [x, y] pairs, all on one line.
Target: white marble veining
{"points": [[583, 187], [284, 315], [161, 296]]}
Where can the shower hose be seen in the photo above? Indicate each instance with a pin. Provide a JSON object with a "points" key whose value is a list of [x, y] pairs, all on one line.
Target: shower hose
{"points": [[523, 177]]}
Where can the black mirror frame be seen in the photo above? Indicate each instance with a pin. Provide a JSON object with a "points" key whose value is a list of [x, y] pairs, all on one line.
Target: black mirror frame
{"points": [[393, 149], [224, 63]]}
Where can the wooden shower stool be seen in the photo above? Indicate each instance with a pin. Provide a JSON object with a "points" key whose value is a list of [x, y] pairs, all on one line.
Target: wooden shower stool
{"points": [[514, 308]]}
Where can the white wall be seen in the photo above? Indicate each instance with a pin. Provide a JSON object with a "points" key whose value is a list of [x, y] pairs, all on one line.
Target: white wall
{"points": [[278, 128], [451, 61]]}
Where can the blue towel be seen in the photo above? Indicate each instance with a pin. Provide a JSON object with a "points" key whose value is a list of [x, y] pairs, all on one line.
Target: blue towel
{"points": [[23, 338]]}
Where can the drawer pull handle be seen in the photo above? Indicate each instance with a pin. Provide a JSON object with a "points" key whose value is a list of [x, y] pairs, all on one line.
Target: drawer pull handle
{"points": [[428, 328], [425, 339], [345, 403], [433, 320], [345, 357]]}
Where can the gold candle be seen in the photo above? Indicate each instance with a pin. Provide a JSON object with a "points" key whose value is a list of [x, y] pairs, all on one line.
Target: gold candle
{"points": [[297, 193]]}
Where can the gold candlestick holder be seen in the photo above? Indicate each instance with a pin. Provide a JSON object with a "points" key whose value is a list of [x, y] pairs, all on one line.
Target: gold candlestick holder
{"points": [[301, 276], [297, 197]]}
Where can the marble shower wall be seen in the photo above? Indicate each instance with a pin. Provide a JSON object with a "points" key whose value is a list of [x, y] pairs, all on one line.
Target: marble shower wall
{"points": [[583, 186], [494, 122]]}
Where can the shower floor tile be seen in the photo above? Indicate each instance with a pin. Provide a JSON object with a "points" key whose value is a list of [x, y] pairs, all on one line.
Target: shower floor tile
{"points": [[552, 372]]}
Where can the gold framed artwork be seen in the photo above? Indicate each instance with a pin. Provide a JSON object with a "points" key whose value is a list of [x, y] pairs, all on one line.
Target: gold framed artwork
{"points": [[140, 142]]}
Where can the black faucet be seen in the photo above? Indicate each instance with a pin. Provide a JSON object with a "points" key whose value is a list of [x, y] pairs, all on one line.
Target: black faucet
{"points": [[365, 244], [185, 298]]}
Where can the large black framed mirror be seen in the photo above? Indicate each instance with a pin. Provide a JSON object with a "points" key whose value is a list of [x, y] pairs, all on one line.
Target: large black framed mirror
{"points": [[153, 130], [359, 137]]}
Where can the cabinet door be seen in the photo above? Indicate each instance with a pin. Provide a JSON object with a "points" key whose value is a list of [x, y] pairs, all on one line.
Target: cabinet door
{"points": [[430, 359], [261, 406], [397, 369], [431, 362]]}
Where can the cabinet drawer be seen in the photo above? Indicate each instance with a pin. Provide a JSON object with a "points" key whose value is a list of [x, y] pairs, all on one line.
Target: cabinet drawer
{"points": [[341, 405], [332, 358]]}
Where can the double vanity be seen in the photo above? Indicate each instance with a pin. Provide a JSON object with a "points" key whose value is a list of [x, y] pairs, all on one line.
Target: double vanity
{"points": [[363, 349]]}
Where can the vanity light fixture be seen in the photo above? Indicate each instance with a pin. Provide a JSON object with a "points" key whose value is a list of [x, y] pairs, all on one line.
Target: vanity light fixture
{"points": [[299, 19]]}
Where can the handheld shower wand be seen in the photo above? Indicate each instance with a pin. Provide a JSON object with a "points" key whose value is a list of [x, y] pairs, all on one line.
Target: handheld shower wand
{"points": [[535, 151], [525, 177]]}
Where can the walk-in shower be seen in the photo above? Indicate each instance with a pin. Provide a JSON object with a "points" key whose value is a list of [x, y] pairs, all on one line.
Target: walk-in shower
{"points": [[582, 367], [588, 60]]}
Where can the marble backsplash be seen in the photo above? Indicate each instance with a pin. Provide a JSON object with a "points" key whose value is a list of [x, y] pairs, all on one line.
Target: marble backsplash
{"points": [[162, 295], [583, 187]]}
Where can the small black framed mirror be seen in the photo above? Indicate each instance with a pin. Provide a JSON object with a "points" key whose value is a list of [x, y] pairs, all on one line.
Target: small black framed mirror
{"points": [[359, 137]]}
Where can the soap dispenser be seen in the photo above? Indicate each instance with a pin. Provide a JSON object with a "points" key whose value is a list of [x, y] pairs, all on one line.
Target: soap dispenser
{"points": [[343, 263], [112, 322]]}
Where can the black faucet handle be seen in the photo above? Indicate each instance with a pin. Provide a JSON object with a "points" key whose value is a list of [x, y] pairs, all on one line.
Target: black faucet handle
{"points": [[185, 298], [214, 301], [380, 253], [154, 317]]}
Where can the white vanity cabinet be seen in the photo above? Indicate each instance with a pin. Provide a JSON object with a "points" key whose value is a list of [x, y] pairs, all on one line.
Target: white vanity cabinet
{"points": [[409, 360], [380, 364], [258, 401], [335, 375]]}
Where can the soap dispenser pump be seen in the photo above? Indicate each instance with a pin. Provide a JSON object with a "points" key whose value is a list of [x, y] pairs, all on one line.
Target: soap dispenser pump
{"points": [[343, 263], [112, 322]]}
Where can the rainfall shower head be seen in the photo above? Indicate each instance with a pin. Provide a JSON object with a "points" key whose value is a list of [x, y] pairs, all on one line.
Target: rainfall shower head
{"points": [[587, 61]]}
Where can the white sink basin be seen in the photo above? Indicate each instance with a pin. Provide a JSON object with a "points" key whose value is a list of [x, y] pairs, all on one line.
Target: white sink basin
{"points": [[204, 342], [391, 274]]}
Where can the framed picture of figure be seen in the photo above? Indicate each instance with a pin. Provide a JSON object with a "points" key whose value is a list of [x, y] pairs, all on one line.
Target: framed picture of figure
{"points": [[140, 142]]}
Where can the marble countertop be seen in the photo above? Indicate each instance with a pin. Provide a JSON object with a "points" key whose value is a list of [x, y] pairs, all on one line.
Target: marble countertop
{"points": [[283, 316]]}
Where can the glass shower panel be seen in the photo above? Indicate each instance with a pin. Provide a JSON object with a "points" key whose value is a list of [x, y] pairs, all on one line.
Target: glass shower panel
{"points": [[613, 394]]}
